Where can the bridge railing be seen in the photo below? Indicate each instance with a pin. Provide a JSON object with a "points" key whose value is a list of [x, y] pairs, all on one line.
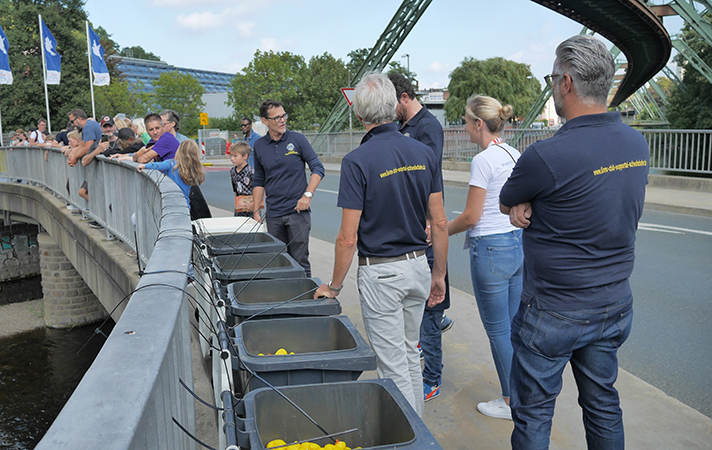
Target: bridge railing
{"points": [[677, 151], [131, 393], [685, 151]]}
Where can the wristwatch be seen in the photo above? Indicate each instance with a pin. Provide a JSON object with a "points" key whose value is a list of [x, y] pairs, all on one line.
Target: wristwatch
{"points": [[308, 194], [333, 289]]}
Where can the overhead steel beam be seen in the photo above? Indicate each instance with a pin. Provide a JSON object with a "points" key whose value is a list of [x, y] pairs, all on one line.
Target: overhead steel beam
{"points": [[675, 79], [387, 45], [686, 10], [696, 62], [630, 26]]}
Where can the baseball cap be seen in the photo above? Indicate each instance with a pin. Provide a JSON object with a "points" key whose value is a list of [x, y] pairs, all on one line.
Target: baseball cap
{"points": [[106, 120], [126, 133]]}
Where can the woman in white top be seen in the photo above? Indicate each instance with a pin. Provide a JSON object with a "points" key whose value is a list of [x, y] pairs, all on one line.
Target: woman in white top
{"points": [[495, 245]]}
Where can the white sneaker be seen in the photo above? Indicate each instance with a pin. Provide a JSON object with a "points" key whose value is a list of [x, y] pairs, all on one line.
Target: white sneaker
{"points": [[496, 408]]}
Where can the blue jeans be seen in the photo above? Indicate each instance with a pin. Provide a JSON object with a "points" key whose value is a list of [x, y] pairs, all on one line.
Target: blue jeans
{"points": [[431, 341], [544, 342], [496, 264]]}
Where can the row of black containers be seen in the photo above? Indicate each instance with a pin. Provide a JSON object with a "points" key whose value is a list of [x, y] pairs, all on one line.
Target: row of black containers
{"points": [[269, 305]]}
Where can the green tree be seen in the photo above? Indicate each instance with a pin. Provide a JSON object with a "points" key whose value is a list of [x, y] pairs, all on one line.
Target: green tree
{"points": [[119, 96], [356, 59], [180, 92], [269, 75], [23, 102], [507, 81], [138, 52], [397, 67], [319, 90], [691, 107]]}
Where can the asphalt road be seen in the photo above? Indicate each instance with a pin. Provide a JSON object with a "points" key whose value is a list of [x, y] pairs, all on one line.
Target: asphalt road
{"points": [[670, 346]]}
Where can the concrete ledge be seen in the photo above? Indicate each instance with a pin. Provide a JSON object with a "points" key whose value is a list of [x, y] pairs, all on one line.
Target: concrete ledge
{"points": [[680, 183], [104, 265]]}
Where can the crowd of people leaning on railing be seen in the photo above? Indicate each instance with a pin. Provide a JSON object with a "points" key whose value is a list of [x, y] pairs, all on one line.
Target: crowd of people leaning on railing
{"points": [[153, 141]]}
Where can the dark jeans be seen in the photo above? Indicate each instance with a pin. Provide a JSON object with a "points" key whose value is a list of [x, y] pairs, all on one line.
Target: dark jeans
{"points": [[544, 342], [431, 338], [431, 342], [293, 229]]}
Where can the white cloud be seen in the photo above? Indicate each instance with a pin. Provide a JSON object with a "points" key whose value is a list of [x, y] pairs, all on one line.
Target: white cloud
{"points": [[200, 22], [267, 44], [192, 3], [245, 29], [438, 67]]}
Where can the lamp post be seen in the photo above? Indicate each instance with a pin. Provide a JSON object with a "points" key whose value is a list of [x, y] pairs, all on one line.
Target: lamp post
{"points": [[407, 56]]}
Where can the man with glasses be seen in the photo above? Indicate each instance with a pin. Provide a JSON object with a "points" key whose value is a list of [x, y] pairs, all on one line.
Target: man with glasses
{"points": [[579, 196], [91, 135], [279, 174]]}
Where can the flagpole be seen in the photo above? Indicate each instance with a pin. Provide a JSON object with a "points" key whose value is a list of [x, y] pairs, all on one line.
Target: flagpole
{"points": [[2, 144], [91, 84], [44, 72]]}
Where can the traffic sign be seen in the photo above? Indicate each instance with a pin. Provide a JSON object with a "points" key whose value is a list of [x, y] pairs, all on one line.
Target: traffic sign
{"points": [[204, 118], [348, 94]]}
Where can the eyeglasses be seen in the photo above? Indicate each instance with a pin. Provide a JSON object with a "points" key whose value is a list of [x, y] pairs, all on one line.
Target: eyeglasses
{"points": [[247, 124], [549, 79], [279, 118]]}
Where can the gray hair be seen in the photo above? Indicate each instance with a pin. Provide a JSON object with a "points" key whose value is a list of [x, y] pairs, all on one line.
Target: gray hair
{"points": [[375, 99], [589, 64], [171, 116]]}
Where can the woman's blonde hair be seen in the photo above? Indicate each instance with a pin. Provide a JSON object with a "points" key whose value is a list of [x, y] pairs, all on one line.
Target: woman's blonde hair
{"points": [[74, 134], [188, 163], [121, 123], [490, 110]]}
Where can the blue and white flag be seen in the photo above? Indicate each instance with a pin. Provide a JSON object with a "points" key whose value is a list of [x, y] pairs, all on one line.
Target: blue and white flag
{"points": [[53, 60], [5, 73], [101, 72]]}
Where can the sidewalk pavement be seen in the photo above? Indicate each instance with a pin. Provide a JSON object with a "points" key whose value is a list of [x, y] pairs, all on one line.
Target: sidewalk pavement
{"points": [[653, 420]]}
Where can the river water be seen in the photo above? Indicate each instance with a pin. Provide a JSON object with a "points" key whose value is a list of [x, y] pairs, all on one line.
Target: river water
{"points": [[39, 370]]}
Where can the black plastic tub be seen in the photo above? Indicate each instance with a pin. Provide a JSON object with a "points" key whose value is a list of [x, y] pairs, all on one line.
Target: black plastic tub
{"points": [[382, 417], [326, 349], [238, 243], [260, 266], [245, 299]]}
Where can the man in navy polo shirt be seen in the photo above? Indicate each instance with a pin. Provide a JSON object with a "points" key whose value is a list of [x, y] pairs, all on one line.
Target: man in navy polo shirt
{"points": [[420, 124], [389, 186], [279, 173], [579, 197]]}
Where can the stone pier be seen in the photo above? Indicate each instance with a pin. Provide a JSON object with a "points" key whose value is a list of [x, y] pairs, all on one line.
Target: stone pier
{"points": [[68, 301]]}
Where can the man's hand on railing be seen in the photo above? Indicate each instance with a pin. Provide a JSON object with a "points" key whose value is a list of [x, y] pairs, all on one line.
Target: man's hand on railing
{"points": [[141, 167], [121, 157]]}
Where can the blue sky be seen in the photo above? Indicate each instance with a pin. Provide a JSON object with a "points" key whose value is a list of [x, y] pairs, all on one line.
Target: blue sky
{"points": [[223, 35]]}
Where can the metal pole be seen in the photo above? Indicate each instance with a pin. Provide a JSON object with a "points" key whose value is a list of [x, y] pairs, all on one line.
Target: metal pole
{"points": [[91, 83], [351, 128], [44, 72], [2, 144]]}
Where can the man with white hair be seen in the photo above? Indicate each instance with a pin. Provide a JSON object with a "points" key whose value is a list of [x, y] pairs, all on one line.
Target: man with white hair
{"points": [[389, 186], [579, 197]]}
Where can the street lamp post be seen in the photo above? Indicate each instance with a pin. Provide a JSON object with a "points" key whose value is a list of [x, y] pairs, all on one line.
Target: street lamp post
{"points": [[407, 56]]}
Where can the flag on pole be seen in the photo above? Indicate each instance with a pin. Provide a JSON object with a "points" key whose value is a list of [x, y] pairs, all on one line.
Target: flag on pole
{"points": [[53, 60], [101, 72], [5, 73]]}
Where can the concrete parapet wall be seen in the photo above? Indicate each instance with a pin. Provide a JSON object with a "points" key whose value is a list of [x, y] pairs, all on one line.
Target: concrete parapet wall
{"points": [[68, 301]]}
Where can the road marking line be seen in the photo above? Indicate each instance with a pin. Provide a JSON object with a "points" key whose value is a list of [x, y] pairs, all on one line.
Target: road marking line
{"points": [[666, 228], [326, 190]]}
